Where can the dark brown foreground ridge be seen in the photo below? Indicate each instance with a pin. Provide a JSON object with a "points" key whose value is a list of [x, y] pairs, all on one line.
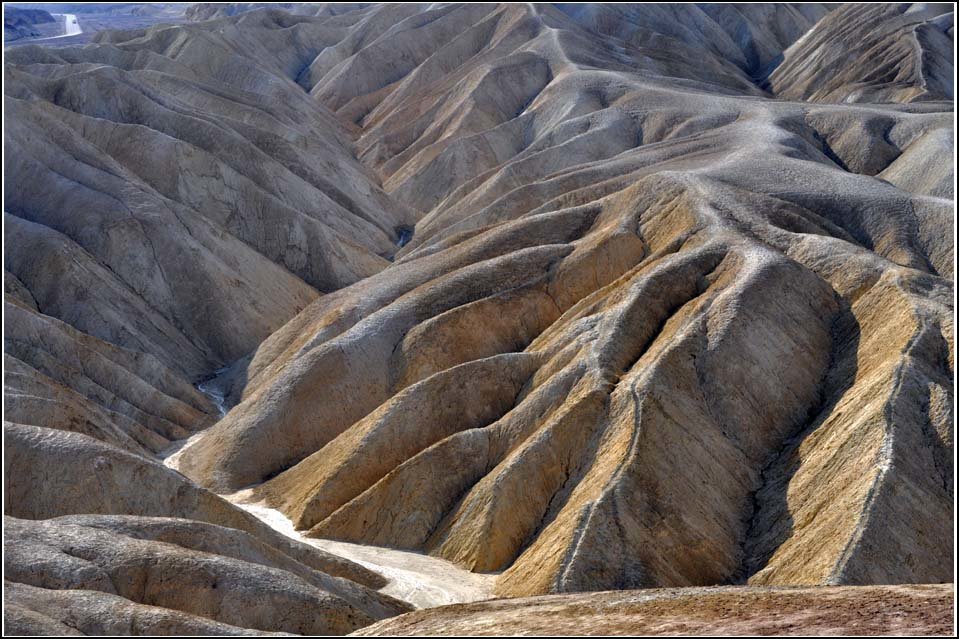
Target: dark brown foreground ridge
{"points": [[535, 299], [861, 610]]}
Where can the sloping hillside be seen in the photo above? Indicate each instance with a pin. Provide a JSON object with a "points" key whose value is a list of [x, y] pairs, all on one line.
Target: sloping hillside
{"points": [[583, 297]]}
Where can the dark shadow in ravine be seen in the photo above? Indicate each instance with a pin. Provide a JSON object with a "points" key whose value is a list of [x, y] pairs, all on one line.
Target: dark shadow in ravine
{"points": [[232, 381], [771, 523]]}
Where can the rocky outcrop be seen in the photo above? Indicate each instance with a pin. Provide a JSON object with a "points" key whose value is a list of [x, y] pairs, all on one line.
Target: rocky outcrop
{"points": [[86, 555], [29, 610], [170, 547]]}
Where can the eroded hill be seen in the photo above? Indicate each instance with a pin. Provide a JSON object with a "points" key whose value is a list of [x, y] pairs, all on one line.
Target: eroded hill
{"points": [[591, 297]]}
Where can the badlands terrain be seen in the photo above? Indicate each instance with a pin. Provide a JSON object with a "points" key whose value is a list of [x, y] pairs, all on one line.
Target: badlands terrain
{"points": [[74, 23], [20, 24], [320, 314]]}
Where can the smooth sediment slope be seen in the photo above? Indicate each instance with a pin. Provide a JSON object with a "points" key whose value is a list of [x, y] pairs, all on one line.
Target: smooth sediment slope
{"points": [[512, 299]]}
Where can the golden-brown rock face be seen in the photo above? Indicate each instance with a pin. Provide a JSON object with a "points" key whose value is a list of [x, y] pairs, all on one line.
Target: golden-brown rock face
{"points": [[591, 297]]}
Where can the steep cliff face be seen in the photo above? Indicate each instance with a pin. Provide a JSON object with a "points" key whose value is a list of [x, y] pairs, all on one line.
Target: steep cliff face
{"points": [[591, 297]]}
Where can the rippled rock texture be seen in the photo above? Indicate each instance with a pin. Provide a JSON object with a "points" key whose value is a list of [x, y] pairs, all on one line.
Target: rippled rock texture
{"points": [[861, 610], [589, 296]]}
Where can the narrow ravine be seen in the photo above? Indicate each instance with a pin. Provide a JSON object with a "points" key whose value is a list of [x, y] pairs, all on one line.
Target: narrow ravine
{"points": [[421, 580], [216, 389]]}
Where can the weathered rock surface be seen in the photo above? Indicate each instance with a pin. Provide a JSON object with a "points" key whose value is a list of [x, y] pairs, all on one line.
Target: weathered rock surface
{"points": [[691, 287], [160, 536], [875, 610], [52, 368], [258, 205], [586, 296], [50, 473], [92, 477], [884, 52], [200, 11], [189, 573], [29, 610]]}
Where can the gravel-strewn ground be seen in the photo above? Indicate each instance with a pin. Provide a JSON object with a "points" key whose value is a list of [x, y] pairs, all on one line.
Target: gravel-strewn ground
{"points": [[852, 610]]}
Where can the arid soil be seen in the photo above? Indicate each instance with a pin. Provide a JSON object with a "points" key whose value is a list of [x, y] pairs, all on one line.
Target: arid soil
{"points": [[869, 610]]}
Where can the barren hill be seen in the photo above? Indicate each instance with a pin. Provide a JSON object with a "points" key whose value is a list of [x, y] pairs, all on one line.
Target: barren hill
{"points": [[22, 23], [589, 297]]}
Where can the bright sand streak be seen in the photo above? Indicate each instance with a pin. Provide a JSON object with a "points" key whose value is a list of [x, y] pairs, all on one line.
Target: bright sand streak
{"points": [[71, 26], [419, 579]]}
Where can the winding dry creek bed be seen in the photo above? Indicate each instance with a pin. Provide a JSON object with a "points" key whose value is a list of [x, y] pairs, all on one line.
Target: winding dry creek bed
{"points": [[421, 580]]}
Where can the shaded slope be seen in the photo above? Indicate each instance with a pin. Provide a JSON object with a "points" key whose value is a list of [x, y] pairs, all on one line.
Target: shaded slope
{"points": [[139, 542], [888, 52], [639, 278]]}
